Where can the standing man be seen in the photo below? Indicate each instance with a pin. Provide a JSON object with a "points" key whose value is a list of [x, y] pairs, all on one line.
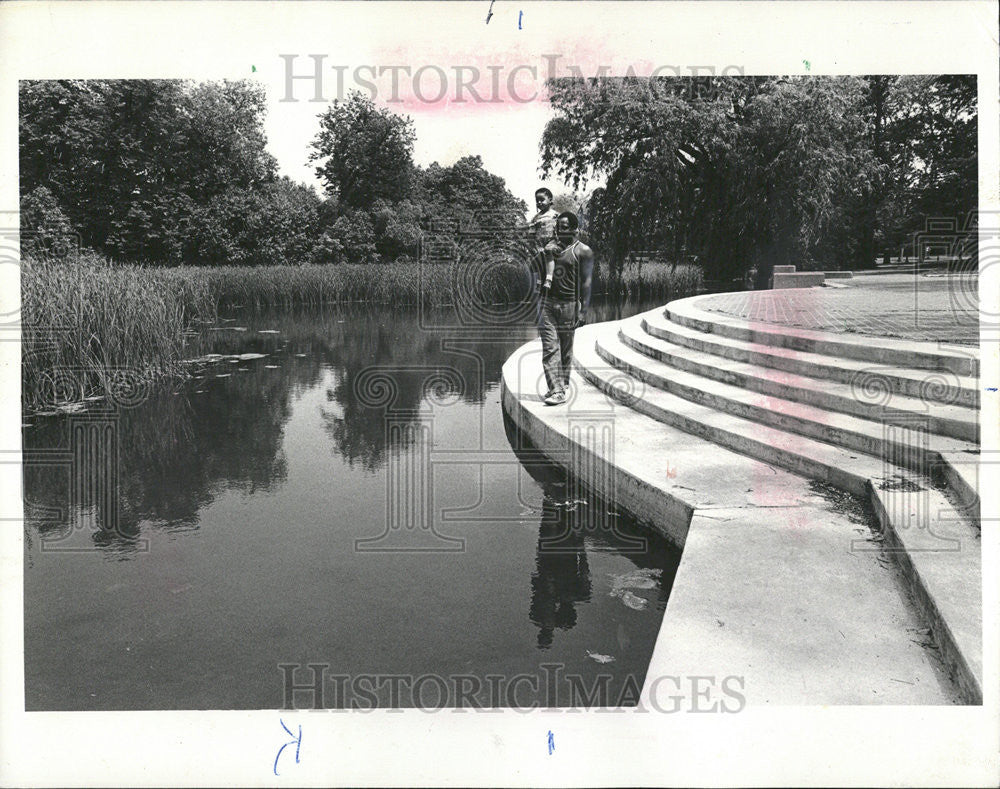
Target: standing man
{"points": [[565, 307]]}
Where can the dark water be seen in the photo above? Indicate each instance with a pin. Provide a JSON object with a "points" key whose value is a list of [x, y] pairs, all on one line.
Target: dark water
{"points": [[351, 500]]}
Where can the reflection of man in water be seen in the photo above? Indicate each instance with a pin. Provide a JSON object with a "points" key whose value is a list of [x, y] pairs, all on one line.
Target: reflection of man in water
{"points": [[562, 576]]}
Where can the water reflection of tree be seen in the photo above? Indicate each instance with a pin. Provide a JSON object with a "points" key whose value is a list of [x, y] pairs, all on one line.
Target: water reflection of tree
{"points": [[419, 367], [177, 451]]}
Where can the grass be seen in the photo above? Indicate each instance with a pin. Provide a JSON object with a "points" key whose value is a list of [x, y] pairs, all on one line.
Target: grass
{"points": [[392, 284], [655, 281], [90, 328], [90, 324]]}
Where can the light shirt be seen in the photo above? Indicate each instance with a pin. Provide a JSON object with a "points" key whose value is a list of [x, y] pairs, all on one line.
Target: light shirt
{"points": [[543, 226]]}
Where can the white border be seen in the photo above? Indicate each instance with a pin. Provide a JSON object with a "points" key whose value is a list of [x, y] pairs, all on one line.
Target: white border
{"points": [[805, 746]]}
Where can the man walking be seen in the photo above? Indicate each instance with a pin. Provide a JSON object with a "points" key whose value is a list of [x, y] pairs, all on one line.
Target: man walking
{"points": [[565, 306]]}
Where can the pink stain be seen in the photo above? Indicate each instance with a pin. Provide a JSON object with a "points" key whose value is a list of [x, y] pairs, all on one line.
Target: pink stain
{"points": [[768, 303], [434, 79]]}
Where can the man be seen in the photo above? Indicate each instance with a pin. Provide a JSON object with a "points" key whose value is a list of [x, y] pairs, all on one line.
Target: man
{"points": [[565, 305]]}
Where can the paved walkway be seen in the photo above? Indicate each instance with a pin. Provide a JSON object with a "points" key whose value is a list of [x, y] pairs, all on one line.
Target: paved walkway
{"points": [[934, 307]]}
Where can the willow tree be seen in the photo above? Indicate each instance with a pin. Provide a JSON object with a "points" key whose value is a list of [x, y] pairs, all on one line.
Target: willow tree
{"points": [[730, 172]]}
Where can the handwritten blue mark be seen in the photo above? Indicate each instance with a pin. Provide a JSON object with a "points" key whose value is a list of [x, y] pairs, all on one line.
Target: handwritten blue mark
{"points": [[520, 14], [991, 388], [552, 742], [297, 741], [489, 14]]}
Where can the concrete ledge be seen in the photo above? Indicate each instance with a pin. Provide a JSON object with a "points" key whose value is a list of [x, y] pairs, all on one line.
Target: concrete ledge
{"points": [[949, 420], [801, 279], [768, 589], [938, 557], [783, 269], [839, 274], [807, 358]]}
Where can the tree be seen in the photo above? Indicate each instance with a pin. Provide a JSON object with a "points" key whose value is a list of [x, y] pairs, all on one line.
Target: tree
{"points": [[567, 201], [42, 222], [748, 171], [932, 144], [468, 193], [365, 153], [136, 164]]}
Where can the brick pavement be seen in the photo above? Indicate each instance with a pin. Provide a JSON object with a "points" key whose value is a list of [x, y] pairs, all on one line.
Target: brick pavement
{"points": [[938, 307]]}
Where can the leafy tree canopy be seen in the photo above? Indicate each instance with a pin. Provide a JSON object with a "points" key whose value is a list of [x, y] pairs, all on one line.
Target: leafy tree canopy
{"points": [[738, 171], [365, 153], [139, 166]]}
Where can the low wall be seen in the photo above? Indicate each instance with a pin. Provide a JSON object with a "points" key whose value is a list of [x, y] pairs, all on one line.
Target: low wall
{"points": [[802, 279]]}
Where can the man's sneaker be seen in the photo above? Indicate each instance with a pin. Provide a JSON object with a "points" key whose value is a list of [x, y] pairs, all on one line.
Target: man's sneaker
{"points": [[556, 398]]}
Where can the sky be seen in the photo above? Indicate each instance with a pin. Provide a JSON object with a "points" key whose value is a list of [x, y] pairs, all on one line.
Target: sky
{"points": [[505, 134]]}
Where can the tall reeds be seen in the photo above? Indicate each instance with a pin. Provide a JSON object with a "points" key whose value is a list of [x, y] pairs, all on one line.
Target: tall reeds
{"points": [[87, 320], [90, 327]]}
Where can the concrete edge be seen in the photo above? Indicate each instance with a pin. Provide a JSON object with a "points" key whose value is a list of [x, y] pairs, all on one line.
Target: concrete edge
{"points": [[667, 514], [951, 653], [660, 509], [948, 426], [943, 462]]}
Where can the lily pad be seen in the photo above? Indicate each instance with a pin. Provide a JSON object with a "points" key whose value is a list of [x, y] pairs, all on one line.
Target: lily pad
{"points": [[644, 578], [633, 601]]}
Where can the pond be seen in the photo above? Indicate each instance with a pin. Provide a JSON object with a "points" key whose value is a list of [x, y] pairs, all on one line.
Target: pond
{"points": [[334, 502]]}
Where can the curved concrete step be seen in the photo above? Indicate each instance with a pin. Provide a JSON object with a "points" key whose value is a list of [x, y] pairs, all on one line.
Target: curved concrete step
{"points": [[754, 538], [689, 312], [936, 546], [935, 387], [945, 420], [941, 557], [927, 455], [842, 468]]}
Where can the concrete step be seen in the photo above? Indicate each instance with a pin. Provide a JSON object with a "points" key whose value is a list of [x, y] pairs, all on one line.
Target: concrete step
{"points": [[842, 468], [914, 449], [935, 544], [961, 472], [873, 381], [768, 588], [941, 557], [946, 420], [869, 350]]}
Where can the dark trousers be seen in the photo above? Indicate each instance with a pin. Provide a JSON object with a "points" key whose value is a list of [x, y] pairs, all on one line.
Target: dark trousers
{"points": [[558, 324]]}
